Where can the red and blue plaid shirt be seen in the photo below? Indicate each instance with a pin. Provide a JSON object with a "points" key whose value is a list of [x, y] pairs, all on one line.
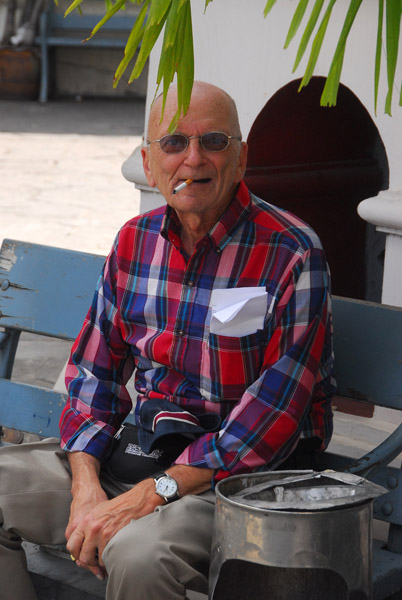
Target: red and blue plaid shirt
{"points": [[151, 314]]}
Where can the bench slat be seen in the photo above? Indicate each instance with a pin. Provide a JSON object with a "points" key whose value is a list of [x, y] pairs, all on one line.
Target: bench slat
{"points": [[87, 22], [79, 41], [387, 572], [368, 351], [33, 409], [29, 408], [46, 290]]}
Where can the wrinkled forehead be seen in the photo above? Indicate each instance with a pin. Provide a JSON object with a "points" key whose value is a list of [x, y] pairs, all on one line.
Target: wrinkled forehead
{"points": [[210, 108]]}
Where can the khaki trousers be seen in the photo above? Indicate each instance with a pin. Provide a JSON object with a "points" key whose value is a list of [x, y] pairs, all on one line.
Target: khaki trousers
{"points": [[154, 558]]}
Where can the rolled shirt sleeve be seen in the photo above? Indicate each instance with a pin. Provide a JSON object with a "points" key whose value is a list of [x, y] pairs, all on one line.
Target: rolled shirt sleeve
{"points": [[100, 365]]}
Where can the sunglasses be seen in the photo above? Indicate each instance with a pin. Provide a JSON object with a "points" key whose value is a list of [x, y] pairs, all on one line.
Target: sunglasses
{"points": [[213, 141]]}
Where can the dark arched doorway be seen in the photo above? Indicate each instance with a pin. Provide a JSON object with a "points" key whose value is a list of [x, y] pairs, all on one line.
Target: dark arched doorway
{"points": [[320, 163]]}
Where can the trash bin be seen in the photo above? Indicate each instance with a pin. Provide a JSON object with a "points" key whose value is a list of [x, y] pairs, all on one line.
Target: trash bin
{"points": [[293, 535]]}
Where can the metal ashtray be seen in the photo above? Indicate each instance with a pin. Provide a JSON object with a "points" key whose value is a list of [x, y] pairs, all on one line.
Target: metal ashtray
{"points": [[309, 490]]}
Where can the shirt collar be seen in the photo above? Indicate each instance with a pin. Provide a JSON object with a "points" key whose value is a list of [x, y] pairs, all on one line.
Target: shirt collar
{"points": [[223, 230], [171, 227]]}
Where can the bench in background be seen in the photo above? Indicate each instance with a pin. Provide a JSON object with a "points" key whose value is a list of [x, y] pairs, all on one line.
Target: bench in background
{"points": [[47, 291], [55, 30]]}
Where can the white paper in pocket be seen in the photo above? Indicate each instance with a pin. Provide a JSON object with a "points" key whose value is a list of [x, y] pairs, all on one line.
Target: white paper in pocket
{"points": [[238, 311]]}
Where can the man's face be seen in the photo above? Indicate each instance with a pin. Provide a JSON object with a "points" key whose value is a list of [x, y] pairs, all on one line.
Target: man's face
{"points": [[214, 174]]}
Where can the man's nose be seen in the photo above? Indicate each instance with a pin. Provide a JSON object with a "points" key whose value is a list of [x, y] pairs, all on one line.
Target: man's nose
{"points": [[194, 151]]}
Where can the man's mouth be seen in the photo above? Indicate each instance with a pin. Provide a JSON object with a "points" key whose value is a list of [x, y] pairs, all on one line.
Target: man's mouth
{"points": [[186, 182], [205, 180]]}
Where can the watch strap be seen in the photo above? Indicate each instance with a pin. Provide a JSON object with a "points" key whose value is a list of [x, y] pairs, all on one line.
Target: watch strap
{"points": [[158, 475]]}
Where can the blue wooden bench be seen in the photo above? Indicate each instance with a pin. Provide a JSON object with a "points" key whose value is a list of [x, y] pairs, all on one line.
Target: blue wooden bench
{"points": [[55, 30], [47, 291]]}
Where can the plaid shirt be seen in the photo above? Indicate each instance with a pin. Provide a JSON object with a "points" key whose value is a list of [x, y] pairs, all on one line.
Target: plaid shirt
{"points": [[152, 313]]}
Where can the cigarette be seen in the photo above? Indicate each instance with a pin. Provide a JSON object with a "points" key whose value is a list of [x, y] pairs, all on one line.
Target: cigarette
{"points": [[182, 186]]}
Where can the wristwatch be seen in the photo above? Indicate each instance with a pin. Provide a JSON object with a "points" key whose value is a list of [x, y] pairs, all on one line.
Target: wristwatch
{"points": [[166, 487]]}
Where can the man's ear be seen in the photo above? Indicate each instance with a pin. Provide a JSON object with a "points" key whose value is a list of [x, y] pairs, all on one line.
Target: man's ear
{"points": [[242, 162], [243, 158], [147, 167]]}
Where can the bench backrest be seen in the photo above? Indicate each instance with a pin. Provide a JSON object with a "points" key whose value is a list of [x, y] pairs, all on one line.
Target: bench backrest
{"points": [[55, 20], [45, 291], [86, 22], [368, 351]]}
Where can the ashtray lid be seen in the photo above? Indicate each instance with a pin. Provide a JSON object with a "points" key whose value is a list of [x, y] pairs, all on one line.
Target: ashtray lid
{"points": [[308, 491]]}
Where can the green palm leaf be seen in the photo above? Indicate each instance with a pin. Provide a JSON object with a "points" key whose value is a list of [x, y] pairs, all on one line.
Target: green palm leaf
{"points": [[393, 26], [315, 13], [269, 5], [115, 8], [134, 40], [377, 66], [72, 7], [297, 19], [330, 91], [185, 73], [172, 47], [156, 19], [317, 43]]}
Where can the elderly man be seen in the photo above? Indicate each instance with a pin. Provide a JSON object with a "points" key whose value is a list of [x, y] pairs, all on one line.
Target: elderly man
{"points": [[219, 303]]}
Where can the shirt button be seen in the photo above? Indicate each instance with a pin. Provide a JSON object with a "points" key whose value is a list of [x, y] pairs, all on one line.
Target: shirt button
{"points": [[181, 332], [218, 250], [190, 284]]}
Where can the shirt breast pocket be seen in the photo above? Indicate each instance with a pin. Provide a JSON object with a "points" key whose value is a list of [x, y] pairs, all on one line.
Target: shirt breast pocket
{"points": [[231, 364]]}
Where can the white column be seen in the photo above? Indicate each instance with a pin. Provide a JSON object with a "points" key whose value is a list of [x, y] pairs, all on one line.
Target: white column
{"points": [[385, 212], [133, 171]]}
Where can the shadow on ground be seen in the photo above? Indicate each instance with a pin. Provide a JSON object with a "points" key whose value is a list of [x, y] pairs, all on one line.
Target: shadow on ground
{"points": [[87, 117]]}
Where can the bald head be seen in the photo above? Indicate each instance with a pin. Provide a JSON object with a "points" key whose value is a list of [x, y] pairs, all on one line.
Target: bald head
{"points": [[215, 173], [217, 100]]}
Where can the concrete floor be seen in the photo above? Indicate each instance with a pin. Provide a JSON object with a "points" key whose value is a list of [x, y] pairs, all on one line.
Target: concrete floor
{"points": [[60, 169]]}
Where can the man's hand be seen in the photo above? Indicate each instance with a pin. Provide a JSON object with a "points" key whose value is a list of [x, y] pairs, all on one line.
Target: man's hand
{"points": [[87, 494], [82, 505], [94, 519], [89, 538]]}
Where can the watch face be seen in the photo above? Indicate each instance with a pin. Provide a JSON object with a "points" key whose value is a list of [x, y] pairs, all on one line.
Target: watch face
{"points": [[166, 486]]}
